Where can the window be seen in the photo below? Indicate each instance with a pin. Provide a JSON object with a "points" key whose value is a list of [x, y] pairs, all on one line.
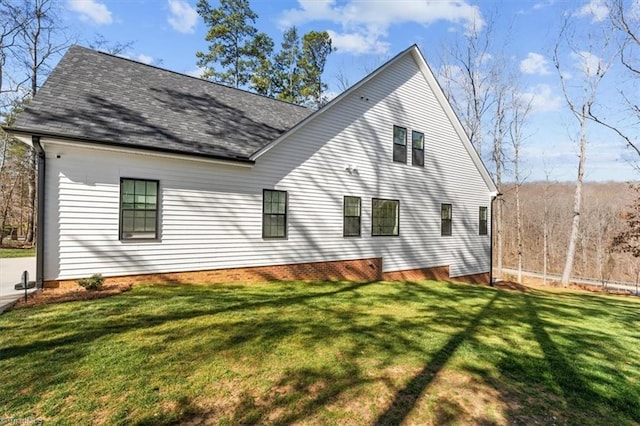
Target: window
{"points": [[399, 144], [351, 224], [445, 216], [483, 221], [274, 214], [417, 150], [385, 217], [138, 209]]}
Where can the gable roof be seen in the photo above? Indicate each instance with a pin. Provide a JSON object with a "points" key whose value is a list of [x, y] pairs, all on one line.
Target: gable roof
{"points": [[100, 98], [430, 78], [96, 97]]}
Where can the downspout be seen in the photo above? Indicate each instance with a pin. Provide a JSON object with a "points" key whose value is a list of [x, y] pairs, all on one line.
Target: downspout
{"points": [[493, 198], [40, 212]]}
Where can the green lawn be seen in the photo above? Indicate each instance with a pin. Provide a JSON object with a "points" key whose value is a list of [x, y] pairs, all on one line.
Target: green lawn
{"points": [[17, 252], [326, 353]]}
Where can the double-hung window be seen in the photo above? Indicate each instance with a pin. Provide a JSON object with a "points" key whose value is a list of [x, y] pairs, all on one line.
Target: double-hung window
{"points": [[399, 144], [445, 218], [274, 214], [417, 148], [352, 215], [138, 209], [385, 217], [483, 221]]}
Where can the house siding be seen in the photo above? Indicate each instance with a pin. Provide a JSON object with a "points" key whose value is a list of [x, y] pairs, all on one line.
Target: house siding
{"points": [[210, 215]]}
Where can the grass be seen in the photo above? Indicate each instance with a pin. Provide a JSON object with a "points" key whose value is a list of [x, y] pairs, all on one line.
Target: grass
{"points": [[7, 252], [325, 353]]}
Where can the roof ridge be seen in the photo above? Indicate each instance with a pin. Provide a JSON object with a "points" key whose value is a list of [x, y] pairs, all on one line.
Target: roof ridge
{"points": [[183, 74]]}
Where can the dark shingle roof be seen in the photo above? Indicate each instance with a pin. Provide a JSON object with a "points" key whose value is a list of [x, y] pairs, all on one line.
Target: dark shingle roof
{"points": [[103, 98]]}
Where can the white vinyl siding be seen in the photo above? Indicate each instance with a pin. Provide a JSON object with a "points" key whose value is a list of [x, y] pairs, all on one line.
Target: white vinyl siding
{"points": [[210, 215]]}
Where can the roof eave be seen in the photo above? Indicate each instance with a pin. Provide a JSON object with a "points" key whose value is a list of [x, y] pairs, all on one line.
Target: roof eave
{"points": [[18, 132]]}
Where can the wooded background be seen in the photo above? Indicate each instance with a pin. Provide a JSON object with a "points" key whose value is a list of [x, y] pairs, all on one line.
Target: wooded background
{"points": [[604, 214]]}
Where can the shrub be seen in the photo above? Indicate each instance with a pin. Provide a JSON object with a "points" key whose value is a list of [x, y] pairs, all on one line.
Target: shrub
{"points": [[94, 282]]}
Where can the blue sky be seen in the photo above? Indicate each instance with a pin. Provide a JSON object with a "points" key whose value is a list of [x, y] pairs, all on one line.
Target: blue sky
{"points": [[167, 33]]}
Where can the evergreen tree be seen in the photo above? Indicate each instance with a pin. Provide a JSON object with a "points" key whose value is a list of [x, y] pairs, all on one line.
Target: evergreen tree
{"points": [[262, 78], [288, 76], [233, 42], [316, 47]]}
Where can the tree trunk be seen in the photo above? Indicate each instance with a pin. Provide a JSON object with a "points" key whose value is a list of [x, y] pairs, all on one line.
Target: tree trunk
{"points": [[516, 170], [545, 235], [577, 203]]}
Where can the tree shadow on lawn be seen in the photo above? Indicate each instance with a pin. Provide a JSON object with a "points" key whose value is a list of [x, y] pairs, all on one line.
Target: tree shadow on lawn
{"points": [[583, 389], [251, 327], [566, 370], [261, 324], [406, 398]]}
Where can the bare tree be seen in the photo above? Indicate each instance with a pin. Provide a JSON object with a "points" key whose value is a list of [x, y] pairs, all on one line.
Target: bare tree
{"points": [[506, 112], [13, 163], [478, 81], [625, 22], [343, 80], [545, 226], [469, 78], [520, 110], [39, 43], [100, 43], [9, 26], [580, 98], [500, 127]]}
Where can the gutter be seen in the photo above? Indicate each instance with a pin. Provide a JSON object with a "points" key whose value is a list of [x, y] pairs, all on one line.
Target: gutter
{"points": [[493, 198], [80, 139], [41, 167]]}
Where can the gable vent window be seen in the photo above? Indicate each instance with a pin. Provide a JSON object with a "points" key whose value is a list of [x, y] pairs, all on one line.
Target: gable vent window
{"points": [[352, 214], [445, 217], [274, 214], [138, 209], [385, 217], [399, 144], [483, 221], [417, 150]]}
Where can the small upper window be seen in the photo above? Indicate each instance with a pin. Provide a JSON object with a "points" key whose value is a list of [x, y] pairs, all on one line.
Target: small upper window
{"points": [[352, 214], [274, 214], [445, 216], [138, 209], [399, 144], [483, 221], [385, 217], [417, 150]]}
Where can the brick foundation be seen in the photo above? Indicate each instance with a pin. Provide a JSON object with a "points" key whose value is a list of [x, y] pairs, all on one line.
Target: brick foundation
{"points": [[352, 270], [436, 273], [439, 273], [474, 279]]}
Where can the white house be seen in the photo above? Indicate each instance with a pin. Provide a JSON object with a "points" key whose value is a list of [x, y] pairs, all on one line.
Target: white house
{"points": [[151, 175]]}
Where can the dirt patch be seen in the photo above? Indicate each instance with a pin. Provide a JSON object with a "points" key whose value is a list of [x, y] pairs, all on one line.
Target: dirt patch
{"points": [[458, 398], [60, 295]]}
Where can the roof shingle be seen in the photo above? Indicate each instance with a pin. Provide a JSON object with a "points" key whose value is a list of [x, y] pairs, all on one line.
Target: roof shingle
{"points": [[98, 97]]}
